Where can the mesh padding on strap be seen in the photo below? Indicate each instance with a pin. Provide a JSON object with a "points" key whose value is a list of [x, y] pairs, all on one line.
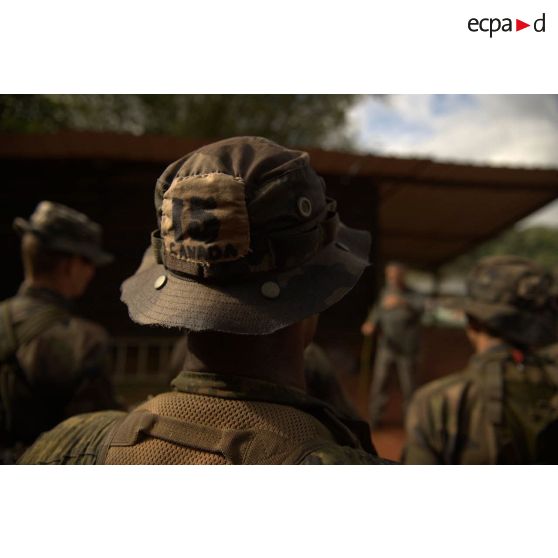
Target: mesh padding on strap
{"points": [[284, 422]]}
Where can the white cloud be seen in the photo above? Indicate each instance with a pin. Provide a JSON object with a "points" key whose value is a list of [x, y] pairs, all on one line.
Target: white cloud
{"points": [[547, 217], [505, 130], [515, 130]]}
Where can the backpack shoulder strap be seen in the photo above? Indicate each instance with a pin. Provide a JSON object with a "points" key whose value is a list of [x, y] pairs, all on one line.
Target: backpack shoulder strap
{"points": [[246, 447], [42, 320], [491, 372], [493, 379]]}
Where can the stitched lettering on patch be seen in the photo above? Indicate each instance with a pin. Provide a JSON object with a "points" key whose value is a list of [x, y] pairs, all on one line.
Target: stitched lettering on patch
{"points": [[204, 219]]}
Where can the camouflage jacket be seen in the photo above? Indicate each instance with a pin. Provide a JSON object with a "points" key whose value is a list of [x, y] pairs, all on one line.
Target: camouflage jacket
{"points": [[80, 440], [481, 415], [60, 372], [399, 327]]}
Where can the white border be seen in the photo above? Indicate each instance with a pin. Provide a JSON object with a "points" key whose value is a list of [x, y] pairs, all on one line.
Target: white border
{"points": [[248, 46], [278, 511]]}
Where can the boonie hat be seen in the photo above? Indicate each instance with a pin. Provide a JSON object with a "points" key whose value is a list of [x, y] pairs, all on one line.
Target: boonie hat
{"points": [[66, 230], [514, 297], [247, 243]]}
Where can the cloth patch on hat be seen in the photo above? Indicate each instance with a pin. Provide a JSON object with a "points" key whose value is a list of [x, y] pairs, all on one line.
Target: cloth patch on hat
{"points": [[205, 220]]}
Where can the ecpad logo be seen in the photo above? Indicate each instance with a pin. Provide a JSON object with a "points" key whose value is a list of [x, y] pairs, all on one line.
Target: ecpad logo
{"points": [[493, 25]]}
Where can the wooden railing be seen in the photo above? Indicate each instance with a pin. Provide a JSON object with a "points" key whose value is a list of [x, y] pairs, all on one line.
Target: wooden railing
{"points": [[141, 359]]}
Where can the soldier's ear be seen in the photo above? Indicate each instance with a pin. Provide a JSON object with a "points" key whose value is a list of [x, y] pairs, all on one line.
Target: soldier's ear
{"points": [[72, 266], [64, 266]]}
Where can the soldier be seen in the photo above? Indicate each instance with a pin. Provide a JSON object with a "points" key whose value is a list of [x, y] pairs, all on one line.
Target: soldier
{"points": [[503, 408], [396, 319], [249, 250], [53, 364]]}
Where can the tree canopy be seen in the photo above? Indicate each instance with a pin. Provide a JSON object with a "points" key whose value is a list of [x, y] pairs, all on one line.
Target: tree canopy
{"points": [[311, 120], [537, 243]]}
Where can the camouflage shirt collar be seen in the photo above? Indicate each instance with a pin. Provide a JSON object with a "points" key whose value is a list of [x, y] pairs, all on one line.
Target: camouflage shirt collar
{"points": [[239, 387], [44, 295]]}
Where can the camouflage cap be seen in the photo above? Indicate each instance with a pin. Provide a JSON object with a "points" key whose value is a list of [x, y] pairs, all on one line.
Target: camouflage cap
{"points": [[514, 297], [65, 230], [247, 243]]}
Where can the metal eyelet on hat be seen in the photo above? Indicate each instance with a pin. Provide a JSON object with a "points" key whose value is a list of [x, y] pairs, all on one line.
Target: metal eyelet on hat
{"points": [[160, 282], [270, 289], [304, 206]]}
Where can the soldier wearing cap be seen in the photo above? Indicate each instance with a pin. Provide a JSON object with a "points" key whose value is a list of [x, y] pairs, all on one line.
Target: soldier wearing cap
{"points": [[53, 364], [396, 320], [503, 408], [248, 251]]}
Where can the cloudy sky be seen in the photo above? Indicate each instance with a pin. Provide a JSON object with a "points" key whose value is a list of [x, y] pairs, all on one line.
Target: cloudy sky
{"points": [[509, 130]]}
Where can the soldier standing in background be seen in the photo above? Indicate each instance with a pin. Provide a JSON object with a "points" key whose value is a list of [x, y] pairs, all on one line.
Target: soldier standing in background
{"points": [[53, 364], [248, 251], [503, 408], [396, 320]]}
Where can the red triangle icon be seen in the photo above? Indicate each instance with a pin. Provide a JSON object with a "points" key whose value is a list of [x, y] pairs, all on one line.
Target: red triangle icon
{"points": [[519, 25]]}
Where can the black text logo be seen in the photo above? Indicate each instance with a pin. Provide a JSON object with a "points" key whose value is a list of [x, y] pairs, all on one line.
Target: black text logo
{"points": [[493, 25]]}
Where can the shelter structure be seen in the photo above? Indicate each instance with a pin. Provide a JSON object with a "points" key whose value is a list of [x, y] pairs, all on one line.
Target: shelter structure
{"points": [[418, 211]]}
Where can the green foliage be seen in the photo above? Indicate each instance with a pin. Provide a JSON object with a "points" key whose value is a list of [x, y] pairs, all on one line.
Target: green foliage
{"points": [[537, 243], [290, 119]]}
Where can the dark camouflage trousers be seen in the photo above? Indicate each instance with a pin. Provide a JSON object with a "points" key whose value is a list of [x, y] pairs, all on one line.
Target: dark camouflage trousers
{"points": [[405, 366]]}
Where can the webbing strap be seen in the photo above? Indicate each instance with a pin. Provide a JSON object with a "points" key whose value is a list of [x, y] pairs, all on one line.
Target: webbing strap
{"points": [[41, 320], [493, 375], [236, 446], [343, 434]]}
